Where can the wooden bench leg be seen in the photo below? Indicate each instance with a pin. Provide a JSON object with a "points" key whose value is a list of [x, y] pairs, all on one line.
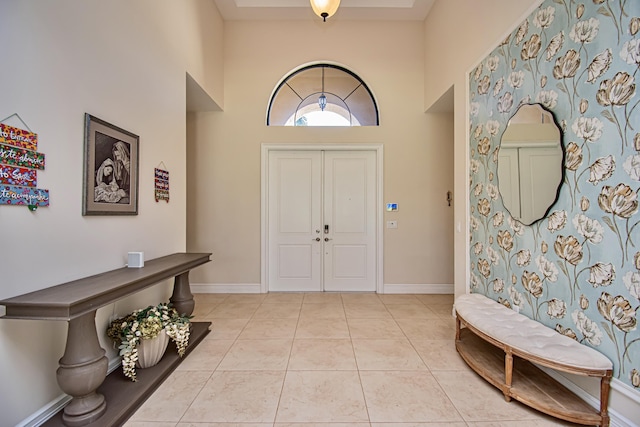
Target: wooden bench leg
{"points": [[457, 328], [604, 400], [508, 374]]}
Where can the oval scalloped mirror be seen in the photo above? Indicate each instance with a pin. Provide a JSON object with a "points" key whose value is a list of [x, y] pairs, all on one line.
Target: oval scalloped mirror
{"points": [[530, 163]]}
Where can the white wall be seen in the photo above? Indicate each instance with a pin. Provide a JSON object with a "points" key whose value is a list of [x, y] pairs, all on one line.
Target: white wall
{"points": [[389, 57], [458, 34], [124, 62]]}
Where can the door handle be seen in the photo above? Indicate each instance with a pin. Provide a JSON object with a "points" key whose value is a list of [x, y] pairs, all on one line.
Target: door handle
{"points": [[317, 239], [326, 239]]}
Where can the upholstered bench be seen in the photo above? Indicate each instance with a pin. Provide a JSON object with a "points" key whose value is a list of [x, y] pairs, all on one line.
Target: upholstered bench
{"points": [[504, 348]]}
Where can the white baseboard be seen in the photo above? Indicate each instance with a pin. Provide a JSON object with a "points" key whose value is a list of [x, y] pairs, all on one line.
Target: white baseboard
{"points": [[255, 288], [418, 288], [622, 399], [225, 288]]}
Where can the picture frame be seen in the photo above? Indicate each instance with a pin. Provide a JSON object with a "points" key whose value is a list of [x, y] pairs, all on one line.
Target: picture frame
{"points": [[111, 158]]}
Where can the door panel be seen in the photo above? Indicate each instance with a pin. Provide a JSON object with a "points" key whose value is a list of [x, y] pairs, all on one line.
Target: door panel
{"points": [[311, 190], [349, 210], [294, 216]]}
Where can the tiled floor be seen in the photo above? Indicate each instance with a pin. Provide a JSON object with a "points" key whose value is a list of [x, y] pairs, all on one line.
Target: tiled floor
{"points": [[312, 359]]}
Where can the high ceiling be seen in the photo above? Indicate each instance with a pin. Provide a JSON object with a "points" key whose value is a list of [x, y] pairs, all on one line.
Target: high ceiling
{"points": [[371, 10]]}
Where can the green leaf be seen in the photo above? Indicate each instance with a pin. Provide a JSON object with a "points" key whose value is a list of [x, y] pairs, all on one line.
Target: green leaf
{"points": [[608, 221], [561, 88], [603, 11], [607, 115], [608, 330]]}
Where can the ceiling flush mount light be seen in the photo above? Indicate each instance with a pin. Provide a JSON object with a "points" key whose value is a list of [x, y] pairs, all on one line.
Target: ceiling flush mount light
{"points": [[325, 8]]}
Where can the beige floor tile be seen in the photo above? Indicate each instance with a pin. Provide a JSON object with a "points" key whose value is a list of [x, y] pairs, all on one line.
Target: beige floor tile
{"points": [[148, 424], [406, 396], [322, 396], [411, 311], [322, 297], [399, 299], [278, 311], [477, 400], [361, 298], [440, 355], [233, 311], [436, 299], [396, 355], [366, 311], [550, 422], [201, 311], [226, 328], [206, 356], [172, 399], [443, 311], [426, 329], [443, 424], [374, 328], [269, 328], [283, 298], [323, 310], [321, 425], [245, 298], [257, 355], [237, 397], [322, 328], [322, 354], [225, 425], [209, 298]]}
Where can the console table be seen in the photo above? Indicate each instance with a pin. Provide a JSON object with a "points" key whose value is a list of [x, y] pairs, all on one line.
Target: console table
{"points": [[83, 367]]}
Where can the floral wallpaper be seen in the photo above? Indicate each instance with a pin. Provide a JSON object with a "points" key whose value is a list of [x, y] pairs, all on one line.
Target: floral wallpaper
{"points": [[578, 269]]}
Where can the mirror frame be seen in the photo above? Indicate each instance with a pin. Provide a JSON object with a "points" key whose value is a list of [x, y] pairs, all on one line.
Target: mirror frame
{"points": [[562, 162]]}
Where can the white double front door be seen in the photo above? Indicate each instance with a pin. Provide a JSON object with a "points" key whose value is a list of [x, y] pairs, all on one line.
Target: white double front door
{"points": [[322, 221]]}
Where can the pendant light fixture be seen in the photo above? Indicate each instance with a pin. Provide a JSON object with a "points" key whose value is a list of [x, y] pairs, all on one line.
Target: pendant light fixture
{"points": [[322, 101], [325, 8]]}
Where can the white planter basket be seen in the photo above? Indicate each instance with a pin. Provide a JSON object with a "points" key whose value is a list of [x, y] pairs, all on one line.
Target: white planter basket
{"points": [[150, 351]]}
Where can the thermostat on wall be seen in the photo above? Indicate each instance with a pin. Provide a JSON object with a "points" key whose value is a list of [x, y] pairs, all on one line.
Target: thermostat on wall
{"points": [[392, 207]]}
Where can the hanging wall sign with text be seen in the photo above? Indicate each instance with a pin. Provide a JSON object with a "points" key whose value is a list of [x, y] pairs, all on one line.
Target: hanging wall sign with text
{"points": [[161, 185], [19, 163]]}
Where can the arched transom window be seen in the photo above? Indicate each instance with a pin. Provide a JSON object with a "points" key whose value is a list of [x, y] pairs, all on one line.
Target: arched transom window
{"points": [[322, 95]]}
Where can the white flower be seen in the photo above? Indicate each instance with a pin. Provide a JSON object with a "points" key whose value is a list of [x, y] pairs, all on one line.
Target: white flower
{"points": [[632, 167], [523, 257], [492, 127], [516, 78], [557, 221], [493, 255], [497, 87], [585, 31], [588, 128], [632, 282], [556, 308], [475, 282], [492, 191], [498, 285], [547, 268], [630, 52], [555, 45], [544, 17], [601, 169], [474, 109], [548, 98], [477, 190], [601, 274], [474, 166], [498, 219], [516, 297], [516, 226], [505, 102], [477, 248], [493, 62], [591, 229], [473, 223], [587, 327], [600, 64]]}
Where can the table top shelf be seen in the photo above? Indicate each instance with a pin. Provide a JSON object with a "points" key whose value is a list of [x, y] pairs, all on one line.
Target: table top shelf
{"points": [[79, 297]]}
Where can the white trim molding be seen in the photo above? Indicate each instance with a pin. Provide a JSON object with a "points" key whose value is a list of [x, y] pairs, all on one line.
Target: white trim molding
{"points": [[418, 288]]}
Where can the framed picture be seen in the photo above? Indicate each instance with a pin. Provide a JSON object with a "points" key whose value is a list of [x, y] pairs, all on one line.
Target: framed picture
{"points": [[110, 169]]}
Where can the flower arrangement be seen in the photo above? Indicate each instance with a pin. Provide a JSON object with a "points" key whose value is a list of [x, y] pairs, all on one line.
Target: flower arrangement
{"points": [[147, 323]]}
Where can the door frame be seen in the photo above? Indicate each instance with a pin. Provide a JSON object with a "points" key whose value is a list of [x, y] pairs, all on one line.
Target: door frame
{"points": [[264, 202]]}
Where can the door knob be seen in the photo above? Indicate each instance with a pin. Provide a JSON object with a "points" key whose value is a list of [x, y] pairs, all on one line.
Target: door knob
{"points": [[326, 239], [317, 239]]}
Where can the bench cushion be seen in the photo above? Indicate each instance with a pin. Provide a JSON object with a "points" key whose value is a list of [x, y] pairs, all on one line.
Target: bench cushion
{"points": [[521, 333]]}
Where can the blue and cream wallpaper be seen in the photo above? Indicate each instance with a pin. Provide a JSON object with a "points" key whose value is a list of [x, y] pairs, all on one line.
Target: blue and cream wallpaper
{"points": [[577, 270]]}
